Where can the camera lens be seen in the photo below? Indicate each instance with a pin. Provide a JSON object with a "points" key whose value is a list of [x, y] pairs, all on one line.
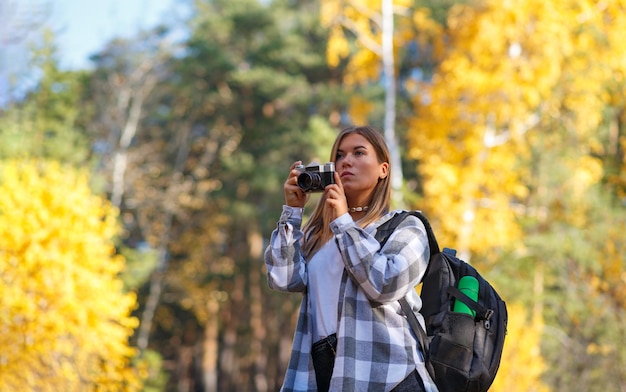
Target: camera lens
{"points": [[308, 181]]}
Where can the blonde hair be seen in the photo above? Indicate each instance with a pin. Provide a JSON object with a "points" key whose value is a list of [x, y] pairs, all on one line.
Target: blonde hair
{"points": [[317, 230]]}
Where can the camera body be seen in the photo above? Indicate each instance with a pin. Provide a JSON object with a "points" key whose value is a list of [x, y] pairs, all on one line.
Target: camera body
{"points": [[315, 177]]}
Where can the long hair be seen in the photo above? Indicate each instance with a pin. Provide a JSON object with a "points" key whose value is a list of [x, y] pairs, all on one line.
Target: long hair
{"points": [[317, 230]]}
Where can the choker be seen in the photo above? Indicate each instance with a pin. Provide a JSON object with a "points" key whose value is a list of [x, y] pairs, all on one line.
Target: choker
{"points": [[358, 209]]}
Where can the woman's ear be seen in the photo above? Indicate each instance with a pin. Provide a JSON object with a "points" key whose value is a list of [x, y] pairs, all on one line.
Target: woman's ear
{"points": [[384, 170]]}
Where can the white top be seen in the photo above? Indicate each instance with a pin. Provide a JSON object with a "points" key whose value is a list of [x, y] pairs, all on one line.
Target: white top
{"points": [[324, 273]]}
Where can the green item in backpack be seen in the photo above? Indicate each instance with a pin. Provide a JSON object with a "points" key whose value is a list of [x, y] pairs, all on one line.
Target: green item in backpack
{"points": [[468, 285]]}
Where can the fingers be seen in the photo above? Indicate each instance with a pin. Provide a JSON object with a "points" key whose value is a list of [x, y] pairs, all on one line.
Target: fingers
{"points": [[293, 165], [338, 182], [294, 196], [335, 192], [293, 173], [336, 199]]}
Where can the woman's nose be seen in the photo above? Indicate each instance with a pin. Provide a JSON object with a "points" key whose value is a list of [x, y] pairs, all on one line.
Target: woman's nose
{"points": [[346, 161]]}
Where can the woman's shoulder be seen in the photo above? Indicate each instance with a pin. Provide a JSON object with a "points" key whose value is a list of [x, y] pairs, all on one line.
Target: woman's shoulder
{"points": [[389, 215], [403, 225], [404, 217]]}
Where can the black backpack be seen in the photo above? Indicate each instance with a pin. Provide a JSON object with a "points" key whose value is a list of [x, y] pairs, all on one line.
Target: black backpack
{"points": [[462, 353]]}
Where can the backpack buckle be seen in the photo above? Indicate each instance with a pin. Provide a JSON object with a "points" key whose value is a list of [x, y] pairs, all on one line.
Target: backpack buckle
{"points": [[487, 318]]}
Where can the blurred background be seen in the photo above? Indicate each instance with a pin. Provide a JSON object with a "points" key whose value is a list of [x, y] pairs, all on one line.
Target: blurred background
{"points": [[144, 144]]}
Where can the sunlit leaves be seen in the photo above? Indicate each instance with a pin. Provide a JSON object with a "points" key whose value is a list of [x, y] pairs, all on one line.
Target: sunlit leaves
{"points": [[356, 35], [64, 320], [522, 364], [513, 68], [520, 143]]}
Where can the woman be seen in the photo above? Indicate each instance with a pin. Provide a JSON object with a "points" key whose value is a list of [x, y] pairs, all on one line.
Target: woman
{"points": [[351, 334]]}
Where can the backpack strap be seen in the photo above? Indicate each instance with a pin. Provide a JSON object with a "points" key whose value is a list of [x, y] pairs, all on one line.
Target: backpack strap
{"points": [[422, 338], [482, 313], [382, 235], [384, 231], [432, 241]]}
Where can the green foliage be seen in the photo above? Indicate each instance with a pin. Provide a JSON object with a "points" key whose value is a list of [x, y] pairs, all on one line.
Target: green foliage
{"points": [[47, 123], [155, 377], [140, 262]]}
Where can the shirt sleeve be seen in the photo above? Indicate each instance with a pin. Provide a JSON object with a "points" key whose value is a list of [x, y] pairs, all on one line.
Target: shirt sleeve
{"points": [[387, 274], [286, 268]]}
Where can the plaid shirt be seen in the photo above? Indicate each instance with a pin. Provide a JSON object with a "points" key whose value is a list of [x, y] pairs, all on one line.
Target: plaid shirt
{"points": [[376, 348]]}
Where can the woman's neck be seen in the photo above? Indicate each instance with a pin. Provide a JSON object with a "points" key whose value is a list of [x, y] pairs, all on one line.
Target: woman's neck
{"points": [[357, 204], [357, 210]]}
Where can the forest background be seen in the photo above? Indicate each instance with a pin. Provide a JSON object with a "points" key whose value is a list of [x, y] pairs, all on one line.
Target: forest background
{"points": [[136, 198]]}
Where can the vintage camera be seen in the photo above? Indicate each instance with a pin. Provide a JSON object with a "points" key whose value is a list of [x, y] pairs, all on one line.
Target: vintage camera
{"points": [[314, 177]]}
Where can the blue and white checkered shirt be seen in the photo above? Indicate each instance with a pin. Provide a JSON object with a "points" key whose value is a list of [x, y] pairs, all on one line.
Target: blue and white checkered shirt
{"points": [[376, 348]]}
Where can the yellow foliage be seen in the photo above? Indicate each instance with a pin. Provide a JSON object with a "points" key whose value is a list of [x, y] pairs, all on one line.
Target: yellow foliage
{"points": [[365, 65], [362, 19], [522, 364], [64, 319], [360, 110], [512, 68], [337, 47], [422, 19], [584, 173], [612, 278]]}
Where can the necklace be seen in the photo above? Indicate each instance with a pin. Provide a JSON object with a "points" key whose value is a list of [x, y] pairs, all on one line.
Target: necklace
{"points": [[358, 209]]}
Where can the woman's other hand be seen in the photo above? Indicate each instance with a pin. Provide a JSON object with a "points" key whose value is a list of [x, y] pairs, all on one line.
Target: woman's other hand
{"points": [[336, 198]]}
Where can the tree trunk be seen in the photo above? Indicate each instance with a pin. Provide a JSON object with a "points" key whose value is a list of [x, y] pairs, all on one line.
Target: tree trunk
{"points": [[210, 350], [121, 155], [128, 110], [183, 369], [255, 241], [397, 178], [230, 363], [156, 279]]}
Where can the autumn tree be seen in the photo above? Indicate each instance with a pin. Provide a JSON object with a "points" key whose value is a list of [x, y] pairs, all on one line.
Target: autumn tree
{"points": [[519, 141], [65, 316]]}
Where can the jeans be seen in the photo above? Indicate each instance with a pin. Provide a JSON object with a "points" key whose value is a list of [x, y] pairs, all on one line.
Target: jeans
{"points": [[413, 383], [323, 353]]}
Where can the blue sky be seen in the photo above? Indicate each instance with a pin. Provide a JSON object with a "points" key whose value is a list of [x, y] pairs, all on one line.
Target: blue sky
{"points": [[84, 26]]}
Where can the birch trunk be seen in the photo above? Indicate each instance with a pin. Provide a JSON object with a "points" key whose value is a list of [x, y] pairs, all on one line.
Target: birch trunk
{"points": [[397, 177]]}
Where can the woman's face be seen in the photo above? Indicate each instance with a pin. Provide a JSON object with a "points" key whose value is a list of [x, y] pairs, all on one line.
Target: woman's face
{"points": [[358, 167]]}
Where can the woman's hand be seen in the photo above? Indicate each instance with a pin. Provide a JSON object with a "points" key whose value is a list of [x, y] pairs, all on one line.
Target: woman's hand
{"points": [[336, 198], [294, 196]]}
